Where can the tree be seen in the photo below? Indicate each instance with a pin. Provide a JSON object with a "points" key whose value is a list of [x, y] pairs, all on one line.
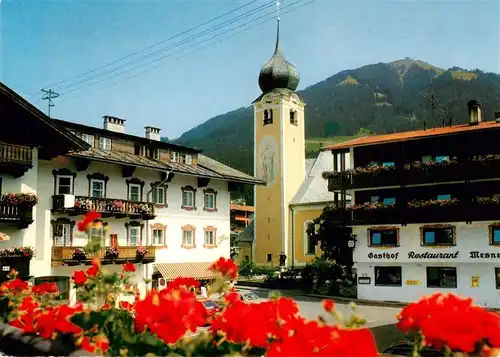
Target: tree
{"points": [[332, 237]]}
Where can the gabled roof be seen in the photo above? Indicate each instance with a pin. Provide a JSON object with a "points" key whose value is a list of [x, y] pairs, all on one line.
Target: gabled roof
{"points": [[314, 189], [247, 235], [413, 135], [36, 128], [135, 138]]}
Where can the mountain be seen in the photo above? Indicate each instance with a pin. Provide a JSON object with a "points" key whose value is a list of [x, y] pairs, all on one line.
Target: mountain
{"points": [[377, 98]]}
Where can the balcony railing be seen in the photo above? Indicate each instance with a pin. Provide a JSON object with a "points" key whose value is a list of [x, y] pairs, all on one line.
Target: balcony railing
{"points": [[418, 173], [15, 160], [427, 212], [106, 206], [64, 255], [19, 215]]}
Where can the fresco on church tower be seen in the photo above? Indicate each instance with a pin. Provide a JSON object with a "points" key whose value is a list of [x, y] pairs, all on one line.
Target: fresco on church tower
{"points": [[267, 160]]}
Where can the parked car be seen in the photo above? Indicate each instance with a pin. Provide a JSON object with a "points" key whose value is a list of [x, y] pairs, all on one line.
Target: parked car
{"points": [[406, 349], [248, 296], [212, 308]]}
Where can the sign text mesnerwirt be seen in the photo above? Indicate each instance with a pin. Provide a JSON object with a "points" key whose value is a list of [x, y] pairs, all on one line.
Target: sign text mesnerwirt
{"points": [[479, 255]]}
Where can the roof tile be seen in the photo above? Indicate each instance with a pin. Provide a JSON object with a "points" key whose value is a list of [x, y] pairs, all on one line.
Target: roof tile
{"points": [[412, 135]]}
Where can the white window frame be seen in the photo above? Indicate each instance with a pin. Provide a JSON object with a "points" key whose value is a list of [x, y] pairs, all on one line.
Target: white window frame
{"points": [[185, 240], [174, 156], [65, 239], [160, 193], [161, 237], [190, 204], [89, 139], [306, 238], [210, 235], [104, 143], [130, 192], [137, 235], [156, 154], [188, 159], [58, 186], [213, 200], [92, 181]]}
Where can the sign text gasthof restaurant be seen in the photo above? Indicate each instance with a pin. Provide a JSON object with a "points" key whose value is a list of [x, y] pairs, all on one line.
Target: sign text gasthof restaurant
{"points": [[413, 255]]}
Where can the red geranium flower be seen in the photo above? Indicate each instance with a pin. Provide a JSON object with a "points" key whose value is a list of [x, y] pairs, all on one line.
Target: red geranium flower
{"points": [[226, 267], [328, 305], [79, 278], [128, 267], [44, 288], [88, 219]]}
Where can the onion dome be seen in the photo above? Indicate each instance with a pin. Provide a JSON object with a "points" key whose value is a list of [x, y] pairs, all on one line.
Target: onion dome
{"points": [[278, 72]]}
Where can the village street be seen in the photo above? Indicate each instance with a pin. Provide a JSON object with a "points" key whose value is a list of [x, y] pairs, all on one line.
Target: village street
{"points": [[381, 320]]}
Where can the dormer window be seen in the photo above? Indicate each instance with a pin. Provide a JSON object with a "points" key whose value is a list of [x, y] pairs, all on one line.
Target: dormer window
{"points": [[154, 153], [89, 139], [104, 143], [140, 150], [175, 157], [188, 159], [293, 118], [268, 116]]}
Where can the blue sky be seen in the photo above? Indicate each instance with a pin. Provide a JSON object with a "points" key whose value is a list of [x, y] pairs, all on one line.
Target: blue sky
{"points": [[48, 42]]}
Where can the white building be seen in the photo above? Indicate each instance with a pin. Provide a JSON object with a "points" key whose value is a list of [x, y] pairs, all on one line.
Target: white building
{"points": [[168, 198], [426, 211]]}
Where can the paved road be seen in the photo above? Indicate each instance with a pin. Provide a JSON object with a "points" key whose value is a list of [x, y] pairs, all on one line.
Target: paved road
{"points": [[381, 320], [311, 307]]}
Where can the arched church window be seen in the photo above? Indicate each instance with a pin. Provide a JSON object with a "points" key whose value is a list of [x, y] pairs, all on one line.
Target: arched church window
{"points": [[268, 116], [309, 238]]}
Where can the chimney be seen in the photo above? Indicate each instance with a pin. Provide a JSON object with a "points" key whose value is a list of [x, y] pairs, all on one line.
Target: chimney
{"points": [[475, 116], [497, 117], [114, 124], [152, 133]]}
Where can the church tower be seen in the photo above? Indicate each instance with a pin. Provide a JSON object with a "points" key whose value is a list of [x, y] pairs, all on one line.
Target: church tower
{"points": [[279, 155]]}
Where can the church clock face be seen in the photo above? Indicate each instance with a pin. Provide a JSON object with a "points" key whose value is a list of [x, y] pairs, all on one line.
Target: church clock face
{"points": [[267, 160]]}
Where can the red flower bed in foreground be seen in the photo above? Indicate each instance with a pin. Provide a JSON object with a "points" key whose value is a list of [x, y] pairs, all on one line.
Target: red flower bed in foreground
{"points": [[167, 322]]}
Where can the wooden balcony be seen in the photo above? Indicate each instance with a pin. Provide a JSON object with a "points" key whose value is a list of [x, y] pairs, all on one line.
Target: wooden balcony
{"points": [[15, 160], [64, 256], [108, 207], [15, 214]]}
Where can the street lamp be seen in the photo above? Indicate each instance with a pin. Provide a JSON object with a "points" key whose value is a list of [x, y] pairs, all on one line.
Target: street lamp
{"points": [[351, 243]]}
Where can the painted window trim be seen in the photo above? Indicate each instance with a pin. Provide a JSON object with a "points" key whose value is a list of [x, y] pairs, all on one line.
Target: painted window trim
{"points": [[187, 228], [129, 225], [209, 191], [156, 185], [135, 182], [61, 220], [63, 173], [159, 227], [205, 243], [491, 228], [383, 228], [97, 176], [438, 226], [185, 189], [305, 240]]}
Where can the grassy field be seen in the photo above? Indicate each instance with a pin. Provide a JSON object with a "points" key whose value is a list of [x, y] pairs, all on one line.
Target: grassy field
{"points": [[314, 144]]}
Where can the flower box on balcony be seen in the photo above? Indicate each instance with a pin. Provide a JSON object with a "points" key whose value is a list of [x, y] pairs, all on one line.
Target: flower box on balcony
{"points": [[374, 176], [433, 171], [374, 212], [484, 167], [435, 211]]}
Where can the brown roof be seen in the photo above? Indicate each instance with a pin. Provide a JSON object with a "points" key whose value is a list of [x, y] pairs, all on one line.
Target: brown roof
{"points": [[206, 167], [199, 271], [413, 135], [242, 208]]}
